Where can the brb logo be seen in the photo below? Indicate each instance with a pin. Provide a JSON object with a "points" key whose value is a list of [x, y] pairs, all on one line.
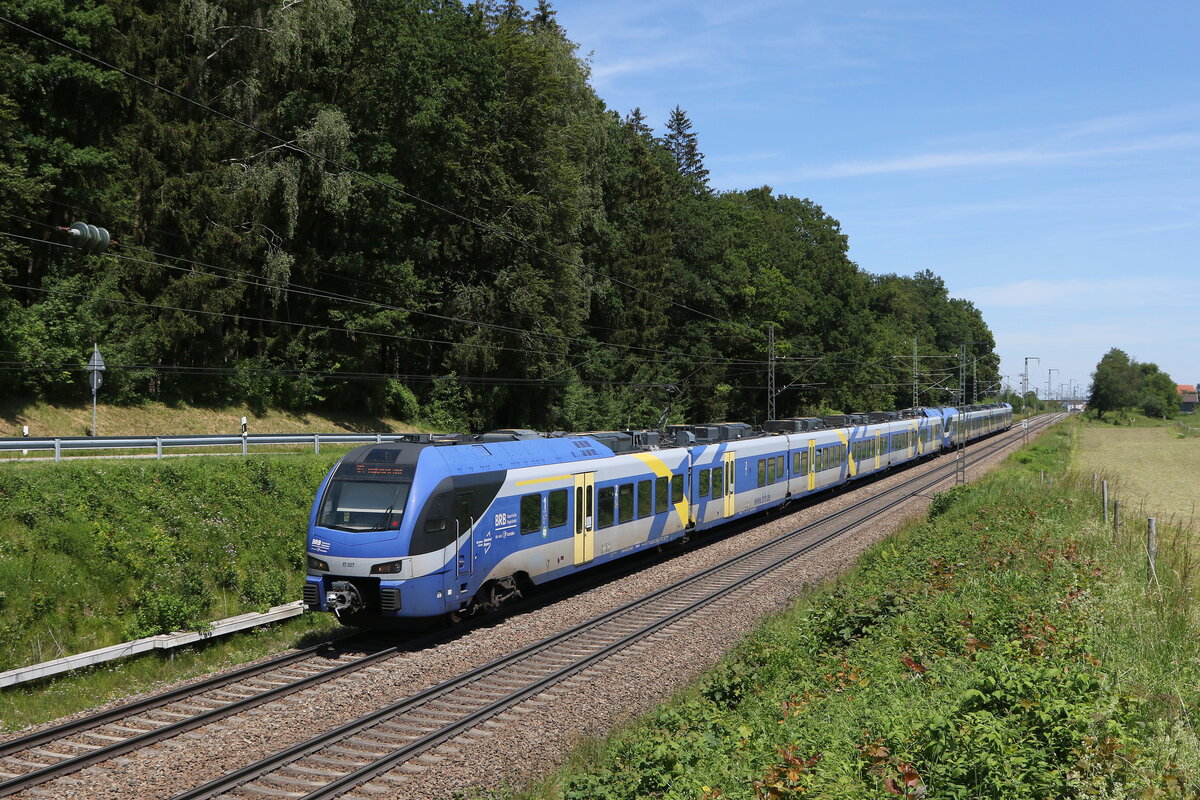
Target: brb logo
{"points": [[320, 545]]}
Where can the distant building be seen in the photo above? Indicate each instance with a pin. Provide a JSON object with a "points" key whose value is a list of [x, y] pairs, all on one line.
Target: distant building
{"points": [[1187, 398]]}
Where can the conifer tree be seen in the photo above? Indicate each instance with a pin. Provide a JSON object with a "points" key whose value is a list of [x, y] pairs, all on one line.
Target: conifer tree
{"points": [[543, 16], [636, 122], [681, 140]]}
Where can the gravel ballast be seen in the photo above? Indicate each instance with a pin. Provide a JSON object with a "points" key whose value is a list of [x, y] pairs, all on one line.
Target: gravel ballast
{"points": [[525, 742]]}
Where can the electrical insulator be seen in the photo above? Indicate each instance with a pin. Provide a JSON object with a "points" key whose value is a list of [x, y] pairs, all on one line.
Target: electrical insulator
{"points": [[89, 238]]}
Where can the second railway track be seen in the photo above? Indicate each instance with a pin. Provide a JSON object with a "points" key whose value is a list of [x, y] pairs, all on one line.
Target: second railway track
{"points": [[336, 762]]}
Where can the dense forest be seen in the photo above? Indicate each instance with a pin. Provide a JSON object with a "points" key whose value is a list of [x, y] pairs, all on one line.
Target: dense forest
{"points": [[419, 208]]}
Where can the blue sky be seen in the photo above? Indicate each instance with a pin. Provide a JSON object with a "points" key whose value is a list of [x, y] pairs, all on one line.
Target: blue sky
{"points": [[1043, 158]]}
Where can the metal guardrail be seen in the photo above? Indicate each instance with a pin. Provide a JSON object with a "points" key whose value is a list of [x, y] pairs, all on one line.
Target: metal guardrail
{"points": [[157, 443], [166, 641]]}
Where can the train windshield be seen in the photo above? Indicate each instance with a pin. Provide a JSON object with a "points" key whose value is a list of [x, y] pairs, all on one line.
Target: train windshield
{"points": [[363, 505]]}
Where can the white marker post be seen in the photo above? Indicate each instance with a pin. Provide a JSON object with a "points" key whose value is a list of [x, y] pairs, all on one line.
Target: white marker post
{"points": [[95, 367]]}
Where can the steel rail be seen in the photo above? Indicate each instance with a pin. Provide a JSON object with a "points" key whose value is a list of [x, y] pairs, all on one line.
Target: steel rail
{"points": [[83, 726], [149, 703], [240, 778]]}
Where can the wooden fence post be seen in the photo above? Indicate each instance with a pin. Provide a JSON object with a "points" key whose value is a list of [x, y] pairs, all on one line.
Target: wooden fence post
{"points": [[1152, 547], [1116, 522]]}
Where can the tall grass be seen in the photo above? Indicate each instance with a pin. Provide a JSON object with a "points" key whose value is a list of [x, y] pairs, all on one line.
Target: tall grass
{"points": [[1183, 430], [1004, 648]]}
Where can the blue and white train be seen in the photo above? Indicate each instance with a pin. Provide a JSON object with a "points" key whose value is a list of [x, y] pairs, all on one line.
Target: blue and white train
{"points": [[435, 526]]}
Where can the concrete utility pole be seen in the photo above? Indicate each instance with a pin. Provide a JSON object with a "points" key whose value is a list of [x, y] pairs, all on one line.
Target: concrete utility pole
{"points": [[1049, 377]]}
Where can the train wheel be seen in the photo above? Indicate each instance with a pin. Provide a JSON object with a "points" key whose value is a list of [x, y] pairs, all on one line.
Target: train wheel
{"points": [[494, 597]]}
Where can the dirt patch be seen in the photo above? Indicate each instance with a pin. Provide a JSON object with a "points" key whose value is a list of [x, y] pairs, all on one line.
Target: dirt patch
{"points": [[151, 419]]}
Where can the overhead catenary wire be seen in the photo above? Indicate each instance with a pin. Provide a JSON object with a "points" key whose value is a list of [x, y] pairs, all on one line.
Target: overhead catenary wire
{"points": [[317, 373], [310, 292], [285, 287]]}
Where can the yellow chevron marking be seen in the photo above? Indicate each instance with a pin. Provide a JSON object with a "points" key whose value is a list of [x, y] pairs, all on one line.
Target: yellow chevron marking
{"points": [[532, 481], [852, 467], [661, 470]]}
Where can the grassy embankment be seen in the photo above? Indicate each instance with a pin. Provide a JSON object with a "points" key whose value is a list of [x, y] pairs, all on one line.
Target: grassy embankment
{"points": [[1003, 648], [100, 552]]}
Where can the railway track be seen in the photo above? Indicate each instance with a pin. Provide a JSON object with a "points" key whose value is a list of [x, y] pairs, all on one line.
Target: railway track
{"points": [[332, 764], [338, 761], [29, 760]]}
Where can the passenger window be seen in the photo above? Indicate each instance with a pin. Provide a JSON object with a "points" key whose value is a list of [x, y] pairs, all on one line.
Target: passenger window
{"points": [[606, 508], [645, 499], [770, 470], [531, 513], [780, 467], [804, 463], [762, 472], [676, 488], [558, 508], [625, 503], [578, 509], [660, 495], [704, 486], [796, 464], [718, 481]]}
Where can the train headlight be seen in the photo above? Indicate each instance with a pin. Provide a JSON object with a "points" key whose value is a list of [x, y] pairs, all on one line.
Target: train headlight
{"points": [[388, 568], [317, 564]]}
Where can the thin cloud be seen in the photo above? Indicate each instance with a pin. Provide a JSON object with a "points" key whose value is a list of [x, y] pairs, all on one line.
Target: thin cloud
{"points": [[1077, 294], [924, 162], [627, 66]]}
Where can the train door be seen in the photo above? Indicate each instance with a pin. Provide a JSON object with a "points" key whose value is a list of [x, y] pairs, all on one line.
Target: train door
{"points": [[878, 449], [585, 536], [728, 460], [812, 464], [464, 523]]}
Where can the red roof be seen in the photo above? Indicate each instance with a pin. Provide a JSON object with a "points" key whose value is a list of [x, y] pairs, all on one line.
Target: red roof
{"points": [[1183, 388]]}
